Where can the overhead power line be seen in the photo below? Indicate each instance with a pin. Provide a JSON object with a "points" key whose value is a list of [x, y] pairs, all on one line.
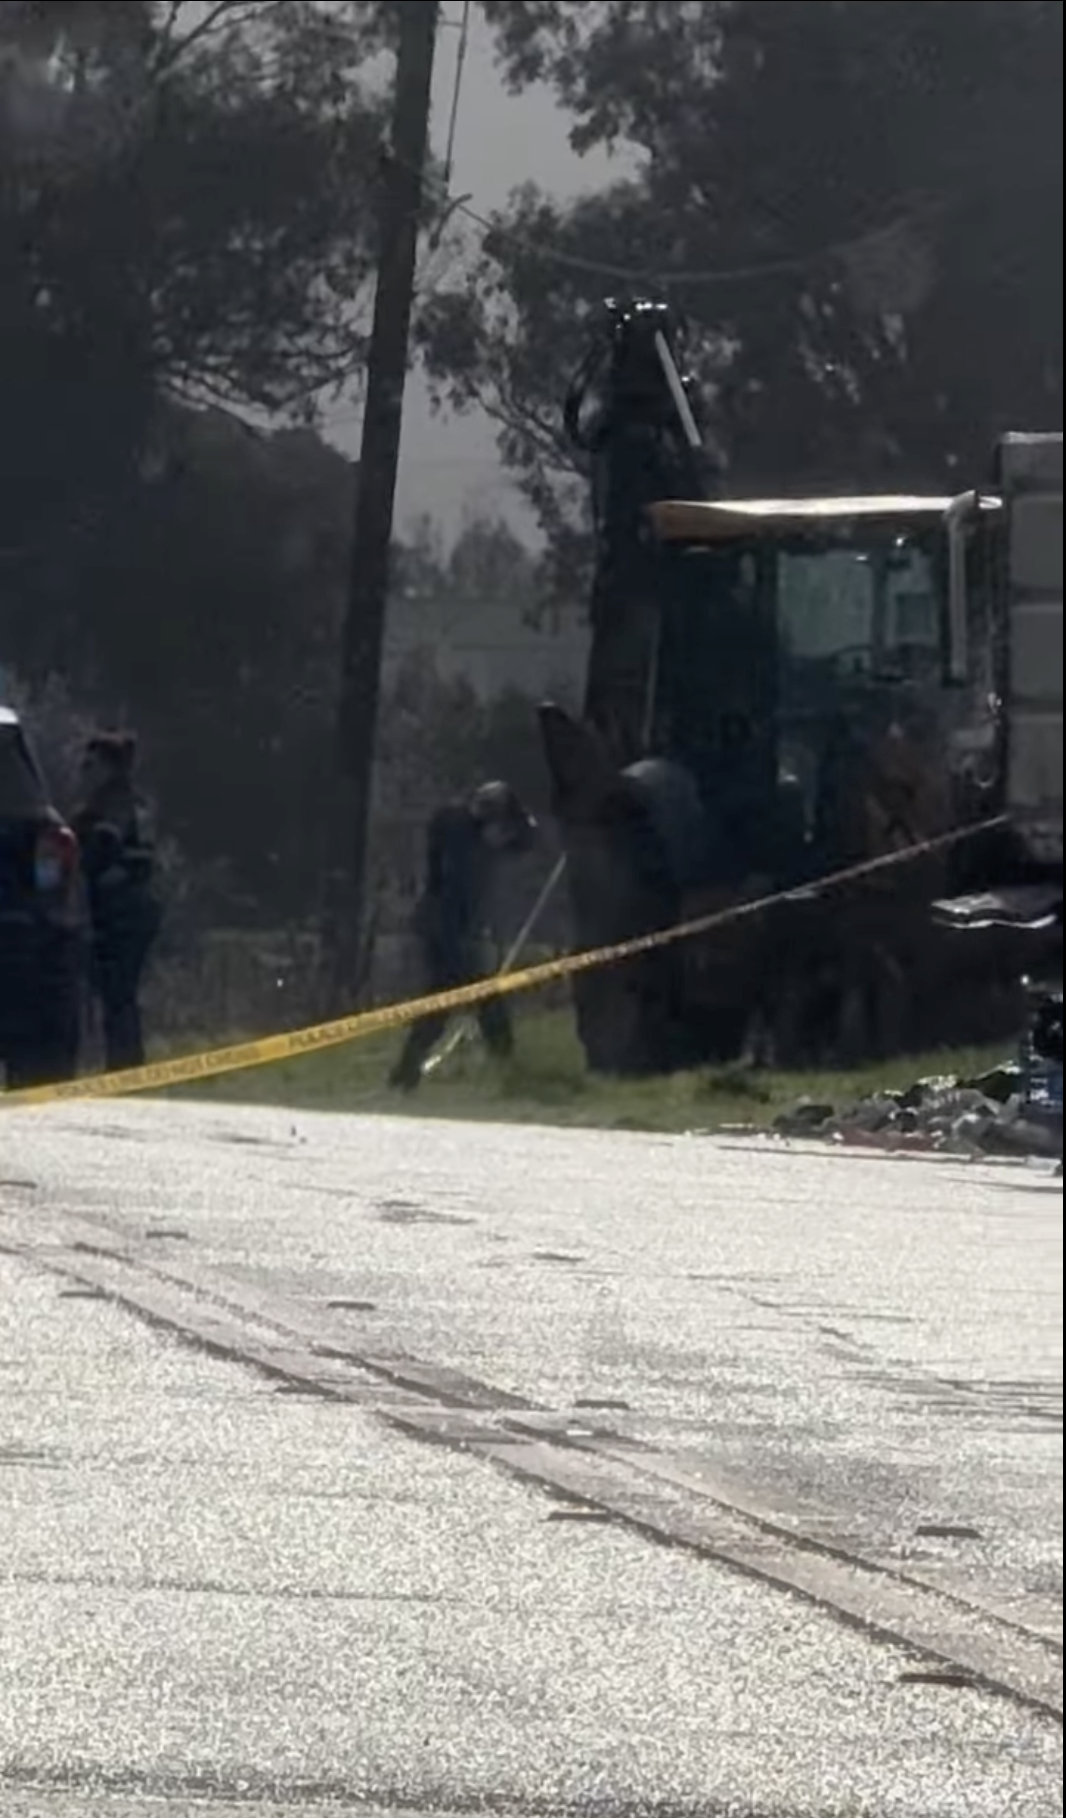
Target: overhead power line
{"points": [[906, 214]]}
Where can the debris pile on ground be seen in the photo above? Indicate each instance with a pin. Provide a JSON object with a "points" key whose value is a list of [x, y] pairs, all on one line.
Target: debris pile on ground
{"points": [[996, 1113]]}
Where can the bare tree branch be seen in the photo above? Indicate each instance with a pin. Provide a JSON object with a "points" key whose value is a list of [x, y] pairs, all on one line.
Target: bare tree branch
{"points": [[223, 14]]}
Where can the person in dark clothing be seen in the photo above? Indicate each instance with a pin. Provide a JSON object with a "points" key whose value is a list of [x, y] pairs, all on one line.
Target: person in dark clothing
{"points": [[465, 843], [118, 863]]}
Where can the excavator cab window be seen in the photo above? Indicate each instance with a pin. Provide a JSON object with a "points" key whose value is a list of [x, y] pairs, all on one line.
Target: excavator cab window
{"points": [[860, 620], [869, 610], [781, 648]]}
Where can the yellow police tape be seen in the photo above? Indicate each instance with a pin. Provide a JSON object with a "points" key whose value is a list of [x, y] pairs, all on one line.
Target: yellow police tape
{"points": [[273, 1048]]}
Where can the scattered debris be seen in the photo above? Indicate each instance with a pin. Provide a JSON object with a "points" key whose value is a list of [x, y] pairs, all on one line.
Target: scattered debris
{"points": [[996, 1113], [999, 1083], [807, 1118]]}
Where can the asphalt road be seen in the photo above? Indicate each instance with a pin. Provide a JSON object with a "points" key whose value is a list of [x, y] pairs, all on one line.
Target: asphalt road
{"points": [[388, 1544]]}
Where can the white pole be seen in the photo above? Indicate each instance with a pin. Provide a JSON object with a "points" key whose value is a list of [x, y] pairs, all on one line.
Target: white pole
{"points": [[465, 1028]]}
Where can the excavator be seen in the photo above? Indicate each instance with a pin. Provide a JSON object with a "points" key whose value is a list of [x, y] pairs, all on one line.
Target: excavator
{"points": [[777, 690]]}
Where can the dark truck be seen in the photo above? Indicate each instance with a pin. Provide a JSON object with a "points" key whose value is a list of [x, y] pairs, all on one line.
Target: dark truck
{"points": [[779, 689], [42, 921]]}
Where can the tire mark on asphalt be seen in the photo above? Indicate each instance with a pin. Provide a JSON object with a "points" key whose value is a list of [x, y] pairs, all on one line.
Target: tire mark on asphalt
{"points": [[589, 1468]]}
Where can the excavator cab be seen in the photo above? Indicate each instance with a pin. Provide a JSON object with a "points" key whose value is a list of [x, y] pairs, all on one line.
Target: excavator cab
{"points": [[801, 674]]}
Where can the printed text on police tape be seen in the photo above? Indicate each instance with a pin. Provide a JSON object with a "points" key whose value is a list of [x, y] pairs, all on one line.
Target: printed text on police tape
{"points": [[269, 1050]]}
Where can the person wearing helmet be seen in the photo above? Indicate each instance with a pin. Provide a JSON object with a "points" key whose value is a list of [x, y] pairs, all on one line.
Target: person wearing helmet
{"points": [[466, 841]]}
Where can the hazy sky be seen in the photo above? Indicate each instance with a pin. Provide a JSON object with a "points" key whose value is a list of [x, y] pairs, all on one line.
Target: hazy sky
{"points": [[449, 466]]}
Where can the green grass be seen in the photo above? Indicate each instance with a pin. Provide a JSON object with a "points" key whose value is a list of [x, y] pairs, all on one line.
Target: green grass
{"points": [[547, 1082]]}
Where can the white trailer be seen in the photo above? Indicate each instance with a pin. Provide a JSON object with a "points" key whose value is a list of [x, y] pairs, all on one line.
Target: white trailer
{"points": [[1030, 482], [1029, 628]]}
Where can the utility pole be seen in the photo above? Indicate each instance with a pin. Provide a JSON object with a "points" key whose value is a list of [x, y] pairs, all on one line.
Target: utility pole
{"points": [[368, 583]]}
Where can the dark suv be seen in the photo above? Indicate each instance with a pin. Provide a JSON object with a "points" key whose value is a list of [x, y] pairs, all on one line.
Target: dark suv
{"points": [[42, 921]]}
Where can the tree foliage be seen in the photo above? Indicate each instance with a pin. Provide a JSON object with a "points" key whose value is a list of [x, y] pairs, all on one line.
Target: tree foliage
{"points": [[486, 566], [185, 210], [209, 621], [857, 206], [186, 238]]}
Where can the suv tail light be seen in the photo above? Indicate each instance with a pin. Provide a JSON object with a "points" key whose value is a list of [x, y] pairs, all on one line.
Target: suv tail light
{"points": [[55, 863]]}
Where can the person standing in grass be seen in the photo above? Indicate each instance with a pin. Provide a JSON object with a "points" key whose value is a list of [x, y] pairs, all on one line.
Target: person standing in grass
{"points": [[466, 842], [118, 861]]}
